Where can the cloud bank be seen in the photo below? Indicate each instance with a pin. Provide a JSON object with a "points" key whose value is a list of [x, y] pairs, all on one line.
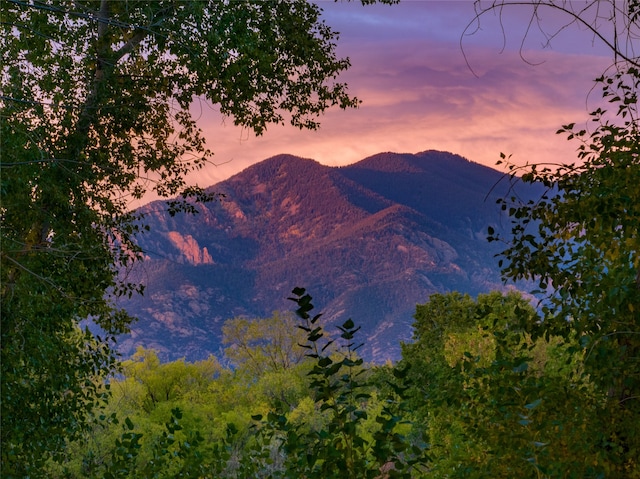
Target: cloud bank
{"points": [[419, 92]]}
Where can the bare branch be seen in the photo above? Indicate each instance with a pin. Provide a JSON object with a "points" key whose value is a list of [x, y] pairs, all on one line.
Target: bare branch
{"points": [[579, 17]]}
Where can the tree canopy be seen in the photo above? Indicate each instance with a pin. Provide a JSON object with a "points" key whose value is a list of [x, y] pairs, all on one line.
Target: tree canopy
{"points": [[494, 401], [95, 112], [580, 243], [580, 240], [260, 345]]}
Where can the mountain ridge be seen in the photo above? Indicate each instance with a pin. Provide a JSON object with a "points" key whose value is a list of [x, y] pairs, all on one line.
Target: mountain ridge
{"points": [[368, 240]]}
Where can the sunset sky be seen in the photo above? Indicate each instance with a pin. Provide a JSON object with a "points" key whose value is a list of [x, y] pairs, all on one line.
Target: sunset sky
{"points": [[418, 93]]}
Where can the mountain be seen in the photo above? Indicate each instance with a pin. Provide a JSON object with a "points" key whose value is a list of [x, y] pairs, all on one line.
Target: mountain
{"points": [[368, 241]]}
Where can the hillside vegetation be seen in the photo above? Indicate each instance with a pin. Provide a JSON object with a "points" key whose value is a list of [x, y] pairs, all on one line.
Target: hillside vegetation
{"points": [[473, 396], [372, 239]]}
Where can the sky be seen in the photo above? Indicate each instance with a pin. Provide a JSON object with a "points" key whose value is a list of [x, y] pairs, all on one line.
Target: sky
{"points": [[421, 89]]}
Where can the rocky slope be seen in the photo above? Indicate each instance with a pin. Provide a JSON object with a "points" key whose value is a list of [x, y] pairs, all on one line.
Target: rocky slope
{"points": [[369, 241]]}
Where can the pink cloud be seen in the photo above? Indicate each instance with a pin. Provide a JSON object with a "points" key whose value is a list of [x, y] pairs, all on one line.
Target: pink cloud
{"points": [[418, 93]]}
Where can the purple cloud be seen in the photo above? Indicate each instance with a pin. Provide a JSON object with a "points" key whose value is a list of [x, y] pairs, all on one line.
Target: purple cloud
{"points": [[419, 93]]}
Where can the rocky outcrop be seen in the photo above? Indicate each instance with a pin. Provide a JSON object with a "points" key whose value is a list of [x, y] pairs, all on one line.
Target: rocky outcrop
{"points": [[189, 249]]}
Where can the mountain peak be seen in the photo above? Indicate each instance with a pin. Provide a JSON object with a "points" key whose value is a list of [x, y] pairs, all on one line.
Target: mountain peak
{"points": [[369, 241], [421, 162], [389, 162], [277, 165]]}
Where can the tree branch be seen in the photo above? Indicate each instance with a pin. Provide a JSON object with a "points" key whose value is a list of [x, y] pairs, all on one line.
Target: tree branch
{"points": [[576, 17]]}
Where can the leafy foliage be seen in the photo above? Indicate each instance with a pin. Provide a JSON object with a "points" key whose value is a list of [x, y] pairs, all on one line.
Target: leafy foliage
{"points": [[95, 112], [344, 421], [339, 449], [475, 395], [495, 402], [580, 243], [262, 345]]}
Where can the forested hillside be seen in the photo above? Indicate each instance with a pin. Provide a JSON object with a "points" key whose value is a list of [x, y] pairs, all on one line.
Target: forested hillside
{"points": [[474, 395], [373, 239]]}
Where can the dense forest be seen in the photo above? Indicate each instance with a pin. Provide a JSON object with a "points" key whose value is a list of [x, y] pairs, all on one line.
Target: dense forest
{"points": [[475, 395], [95, 111]]}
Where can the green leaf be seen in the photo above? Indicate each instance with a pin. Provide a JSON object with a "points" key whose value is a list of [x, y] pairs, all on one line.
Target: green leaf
{"points": [[533, 404]]}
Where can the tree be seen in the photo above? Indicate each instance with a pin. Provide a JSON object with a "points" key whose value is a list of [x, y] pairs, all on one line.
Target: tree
{"points": [[261, 345], [221, 425], [494, 402], [343, 447], [94, 113], [580, 241], [267, 356], [168, 382], [581, 244]]}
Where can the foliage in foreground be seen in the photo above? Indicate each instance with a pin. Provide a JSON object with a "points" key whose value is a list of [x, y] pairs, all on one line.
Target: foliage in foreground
{"points": [[496, 402], [581, 244], [475, 395], [324, 417], [96, 111], [77, 130]]}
